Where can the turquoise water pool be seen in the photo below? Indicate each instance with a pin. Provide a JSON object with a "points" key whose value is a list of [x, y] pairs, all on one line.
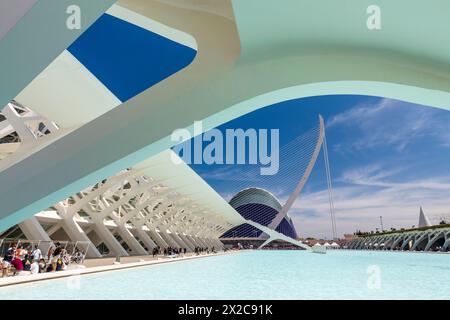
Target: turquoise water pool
{"points": [[262, 275]]}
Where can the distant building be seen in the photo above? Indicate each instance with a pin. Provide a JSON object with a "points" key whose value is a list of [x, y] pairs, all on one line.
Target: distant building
{"points": [[423, 219], [261, 206]]}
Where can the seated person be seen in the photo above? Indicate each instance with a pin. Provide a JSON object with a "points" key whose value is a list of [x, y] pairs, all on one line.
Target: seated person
{"points": [[66, 260], [42, 266], [26, 264], [34, 267], [59, 265], [78, 257]]}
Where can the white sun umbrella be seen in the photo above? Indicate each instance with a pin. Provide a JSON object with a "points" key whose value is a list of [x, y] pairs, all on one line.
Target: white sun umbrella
{"points": [[326, 244], [334, 244]]}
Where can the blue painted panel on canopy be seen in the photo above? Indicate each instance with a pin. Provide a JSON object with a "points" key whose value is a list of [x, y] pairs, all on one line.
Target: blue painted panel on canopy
{"points": [[126, 58]]}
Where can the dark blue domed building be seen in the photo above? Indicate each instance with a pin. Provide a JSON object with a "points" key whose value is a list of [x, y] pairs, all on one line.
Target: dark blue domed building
{"points": [[260, 206]]}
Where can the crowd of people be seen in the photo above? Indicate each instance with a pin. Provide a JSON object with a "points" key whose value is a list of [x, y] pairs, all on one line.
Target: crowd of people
{"points": [[26, 259], [19, 259], [168, 251], [199, 250]]}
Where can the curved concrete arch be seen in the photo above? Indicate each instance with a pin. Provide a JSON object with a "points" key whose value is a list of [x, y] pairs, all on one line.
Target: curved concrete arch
{"points": [[420, 240], [390, 90], [446, 244], [239, 82], [356, 244], [385, 242], [396, 242], [433, 240], [407, 239]]}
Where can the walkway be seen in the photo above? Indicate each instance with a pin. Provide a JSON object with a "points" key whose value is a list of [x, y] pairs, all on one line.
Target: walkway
{"points": [[102, 265]]}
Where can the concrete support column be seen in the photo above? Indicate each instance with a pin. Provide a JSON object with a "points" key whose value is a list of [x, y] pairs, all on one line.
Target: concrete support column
{"points": [[130, 240], [193, 241], [218, 244], [95, 239], [446, 244], [188, 244], [177, 239], [76, 233], [205, 241], [156, 237], [143, 236], [407, 240], [209, 243], [111, 242], [201, 242], [396, 242], [168, 239], [33, 230], [191, 246]]}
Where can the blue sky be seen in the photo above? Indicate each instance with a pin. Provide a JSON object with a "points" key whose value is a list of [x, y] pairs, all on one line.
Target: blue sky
{"points": [[387, 158]]}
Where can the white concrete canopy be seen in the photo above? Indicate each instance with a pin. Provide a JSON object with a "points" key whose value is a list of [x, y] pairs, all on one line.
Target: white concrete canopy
{"points": [[289, 49]]}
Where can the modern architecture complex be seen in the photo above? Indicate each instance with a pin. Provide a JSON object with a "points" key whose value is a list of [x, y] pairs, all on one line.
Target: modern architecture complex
{"points": [[88, 107]]}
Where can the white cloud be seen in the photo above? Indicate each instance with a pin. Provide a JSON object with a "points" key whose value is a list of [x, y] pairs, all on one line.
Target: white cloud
{"points": [[357, 113], [399, 131]]}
